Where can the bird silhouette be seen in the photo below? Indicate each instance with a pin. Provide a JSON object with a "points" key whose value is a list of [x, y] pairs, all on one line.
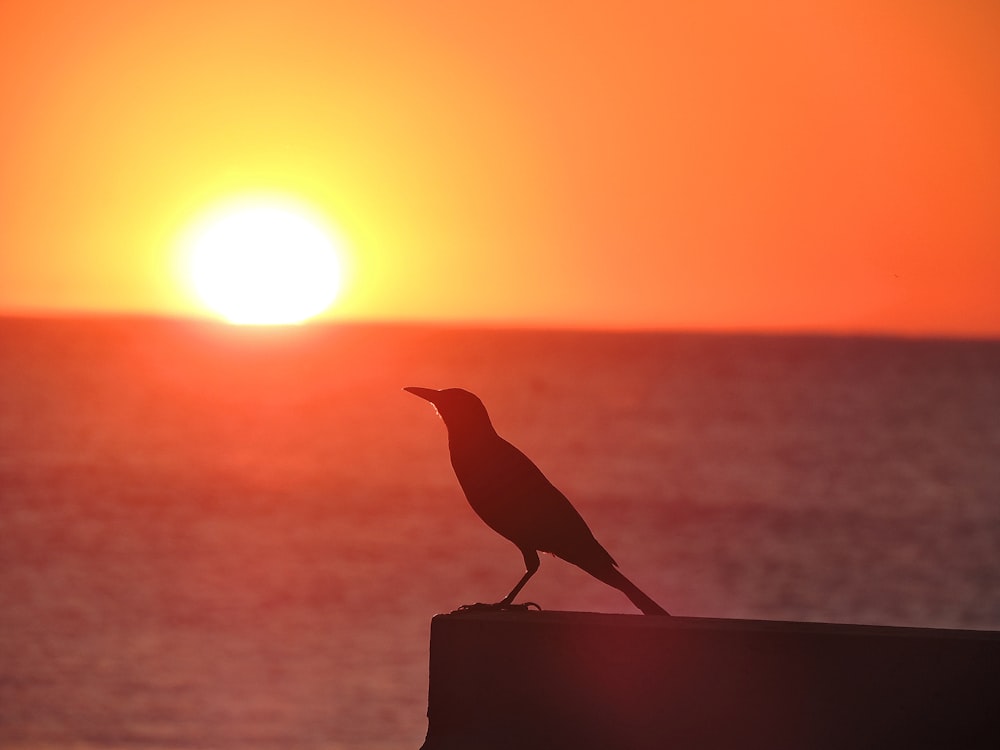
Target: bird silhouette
{"points": [[513, 497]]}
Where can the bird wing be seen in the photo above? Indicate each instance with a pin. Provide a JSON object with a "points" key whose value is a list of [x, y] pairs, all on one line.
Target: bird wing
{"points": [[512, 495]]}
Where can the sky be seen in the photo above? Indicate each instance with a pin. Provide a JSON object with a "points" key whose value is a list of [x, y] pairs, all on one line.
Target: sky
{"points": [[831, 165]]}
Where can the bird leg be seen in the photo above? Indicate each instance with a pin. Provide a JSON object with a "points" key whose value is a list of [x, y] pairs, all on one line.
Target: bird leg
{"points": [[531, 563]]}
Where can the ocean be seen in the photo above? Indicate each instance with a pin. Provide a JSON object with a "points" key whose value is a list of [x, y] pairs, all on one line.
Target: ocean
{"points": [[219, 537]]}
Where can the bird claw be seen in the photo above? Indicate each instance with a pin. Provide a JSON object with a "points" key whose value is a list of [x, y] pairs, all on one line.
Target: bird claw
{"points": [[498, 607]]}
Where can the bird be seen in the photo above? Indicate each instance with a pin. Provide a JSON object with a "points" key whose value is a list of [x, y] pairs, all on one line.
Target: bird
{"points": [[515, 499]]}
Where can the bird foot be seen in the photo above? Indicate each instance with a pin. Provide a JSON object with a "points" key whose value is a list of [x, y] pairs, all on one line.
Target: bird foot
{"points": [[498, 607]]}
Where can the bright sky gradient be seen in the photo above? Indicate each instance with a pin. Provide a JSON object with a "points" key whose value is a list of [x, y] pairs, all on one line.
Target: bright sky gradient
{"points": [[821, 164]]}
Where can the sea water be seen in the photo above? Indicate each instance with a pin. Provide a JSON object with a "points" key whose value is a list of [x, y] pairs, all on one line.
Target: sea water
{"points": [[216, 537]]}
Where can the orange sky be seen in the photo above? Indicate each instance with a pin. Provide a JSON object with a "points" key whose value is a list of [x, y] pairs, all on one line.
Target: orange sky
{"points": [[831, 165]]}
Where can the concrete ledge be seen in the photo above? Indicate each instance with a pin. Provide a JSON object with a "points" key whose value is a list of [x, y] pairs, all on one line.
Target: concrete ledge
{"points": [[525, 680]]}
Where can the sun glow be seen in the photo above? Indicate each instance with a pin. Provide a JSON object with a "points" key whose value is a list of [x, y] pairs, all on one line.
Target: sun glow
{"points": [[264, 262]]}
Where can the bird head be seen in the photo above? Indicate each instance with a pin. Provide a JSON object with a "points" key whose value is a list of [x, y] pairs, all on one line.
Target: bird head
{"points": [[460, 409]]}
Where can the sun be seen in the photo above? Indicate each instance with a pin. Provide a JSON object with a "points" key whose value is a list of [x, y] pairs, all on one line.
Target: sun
{"points": [[264, 262]]}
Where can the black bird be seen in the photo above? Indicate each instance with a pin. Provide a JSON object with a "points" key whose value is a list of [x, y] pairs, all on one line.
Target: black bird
{"points": [[515, 499]]}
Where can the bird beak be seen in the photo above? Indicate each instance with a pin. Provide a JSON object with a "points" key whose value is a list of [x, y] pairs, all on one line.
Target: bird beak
{"points": [[427, 394]]}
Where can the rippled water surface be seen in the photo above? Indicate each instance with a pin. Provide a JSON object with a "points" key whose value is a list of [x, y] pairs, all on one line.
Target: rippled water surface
{"points": [[236, 538]]}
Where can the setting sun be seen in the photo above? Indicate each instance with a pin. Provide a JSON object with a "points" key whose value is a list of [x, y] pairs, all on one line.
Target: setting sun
{"points": [[264, 263], [784, 166]]}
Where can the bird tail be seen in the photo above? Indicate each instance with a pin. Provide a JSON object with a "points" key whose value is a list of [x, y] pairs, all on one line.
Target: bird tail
{"points": [[613, 577]]}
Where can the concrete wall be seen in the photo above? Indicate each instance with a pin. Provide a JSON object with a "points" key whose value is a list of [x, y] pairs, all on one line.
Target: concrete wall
{"points": [[524, 680]]}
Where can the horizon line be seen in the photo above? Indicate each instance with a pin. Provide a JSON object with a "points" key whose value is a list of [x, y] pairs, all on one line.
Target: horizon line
{"points": [[506, 324]]}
